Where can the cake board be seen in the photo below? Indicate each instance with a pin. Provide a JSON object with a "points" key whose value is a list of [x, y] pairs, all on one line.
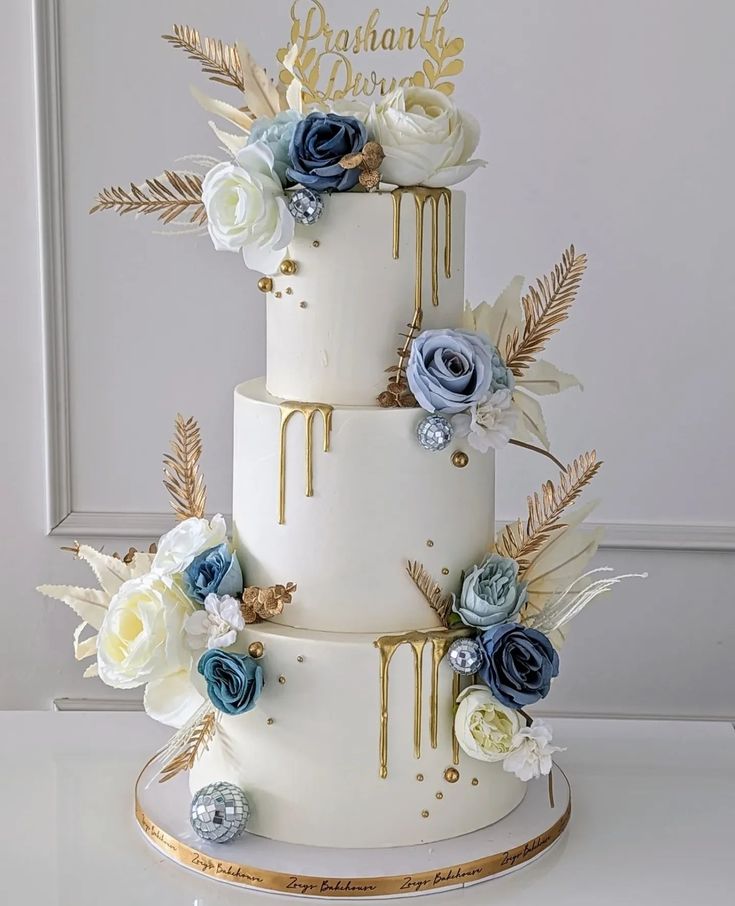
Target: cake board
{"points": [[257, 863]]}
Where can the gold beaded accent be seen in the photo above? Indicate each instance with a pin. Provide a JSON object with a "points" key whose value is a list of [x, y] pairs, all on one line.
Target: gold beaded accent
{"points": [[289, 291], [440, 795], [302, 304], [451, 775], [265, 284], [419, 777], [270, 721], [282, 679], [445, 571], [288, 267], [460, 459], [278, 295], [425, 813], [429, 543], [256, 649], [316, 243], [475, 781], [300, 659]]}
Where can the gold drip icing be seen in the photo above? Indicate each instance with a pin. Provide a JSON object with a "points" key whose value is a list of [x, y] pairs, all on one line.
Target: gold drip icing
{"points": [[456, 687], [309, 411], [387, 645]]}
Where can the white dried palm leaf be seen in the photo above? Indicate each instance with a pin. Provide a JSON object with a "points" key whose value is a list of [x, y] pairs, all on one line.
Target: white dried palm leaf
{"points": [[221, 108], [260, 92]]}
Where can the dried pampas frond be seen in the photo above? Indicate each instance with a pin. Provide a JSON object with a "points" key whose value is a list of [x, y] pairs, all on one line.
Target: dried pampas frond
{"points": [[181, 476], [545, 306], [170, 196], [440, 602]]}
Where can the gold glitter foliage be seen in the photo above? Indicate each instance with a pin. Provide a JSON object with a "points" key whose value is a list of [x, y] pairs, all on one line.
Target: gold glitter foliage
{"points": [[220, 61], [181, 476], [369, 161], [440, 602], [174, 197], [189, 743], [265, 603]]}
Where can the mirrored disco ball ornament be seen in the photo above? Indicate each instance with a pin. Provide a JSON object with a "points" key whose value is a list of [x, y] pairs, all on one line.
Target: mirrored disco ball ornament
{"points": [[465, 656], [434, 432], [219, 812], [305, 205]]}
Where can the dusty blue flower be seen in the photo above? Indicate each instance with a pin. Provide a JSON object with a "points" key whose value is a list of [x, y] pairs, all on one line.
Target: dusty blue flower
{"points": [[276, 133], [234, 681], [318, 144], [214, 571], [491, 593], [503, 377], [519, 664], [449, 370]]}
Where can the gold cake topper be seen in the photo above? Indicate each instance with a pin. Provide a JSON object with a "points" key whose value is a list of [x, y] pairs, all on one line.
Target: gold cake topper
{"points": [[326, 59]]}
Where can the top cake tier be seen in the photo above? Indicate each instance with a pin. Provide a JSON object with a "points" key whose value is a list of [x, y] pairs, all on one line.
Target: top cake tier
{"points": [[358, 278]]}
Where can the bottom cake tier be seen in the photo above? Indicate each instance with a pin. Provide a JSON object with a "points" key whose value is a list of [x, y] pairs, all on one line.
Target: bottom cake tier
{"points": [[351, 743]]}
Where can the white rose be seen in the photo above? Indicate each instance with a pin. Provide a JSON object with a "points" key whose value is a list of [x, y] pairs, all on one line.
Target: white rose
{"points": [[246, 208], [484, 728], [531, 752], [426, 139], [142, 635], [177, 548]]}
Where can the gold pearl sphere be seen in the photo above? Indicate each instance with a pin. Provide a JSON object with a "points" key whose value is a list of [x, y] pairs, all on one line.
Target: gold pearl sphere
{"points": [[451, 775], [265, 284], [440, 795], [256, 649], [288, 267], [281, 679], [460, 459], [419, 777], [425, 813], [475, 781]]}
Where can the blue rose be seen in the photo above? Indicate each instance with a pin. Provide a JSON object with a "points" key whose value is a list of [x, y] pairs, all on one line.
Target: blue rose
{"points": [[519, 664], [503, 377], [449, 370], [234, 681], [277, 133], [214, 571], [318, 144], [491, 593]]}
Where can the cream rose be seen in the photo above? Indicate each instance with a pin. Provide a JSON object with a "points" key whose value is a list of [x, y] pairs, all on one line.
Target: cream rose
{"points": [[142, 637], [246, 208], [484, 728], [177, 548], [426, 139]]}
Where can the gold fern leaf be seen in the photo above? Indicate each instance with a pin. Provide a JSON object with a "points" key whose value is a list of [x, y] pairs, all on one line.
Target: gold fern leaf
{"points": [[195, 741], [220, 61], [545, 307], [171, 196], [440, 602], [181, 476], [518, 540], [398, 394]]}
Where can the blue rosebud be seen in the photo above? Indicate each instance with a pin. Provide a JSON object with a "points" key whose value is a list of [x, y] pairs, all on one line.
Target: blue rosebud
{"points": [[234, 681], [491, 593], [519, 664], [318, 144], [214, 571], [449, 370], [276, 133]]}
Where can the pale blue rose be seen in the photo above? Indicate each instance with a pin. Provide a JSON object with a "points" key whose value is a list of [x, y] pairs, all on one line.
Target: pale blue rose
{"points": [[449, 370], [214, 571], [234, 681], [519, 664], [276, 133], [491, 593]]}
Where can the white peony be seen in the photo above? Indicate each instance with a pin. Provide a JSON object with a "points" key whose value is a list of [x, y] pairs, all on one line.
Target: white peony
{"points": [[426, 139], [177, 548], [483, 727], [489, 423], [531, 752], [142, 635], [217, 625], [246, 208]]}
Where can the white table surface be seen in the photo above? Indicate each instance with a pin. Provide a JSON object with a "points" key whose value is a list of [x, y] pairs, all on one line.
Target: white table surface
{"points": [[653, 819]]}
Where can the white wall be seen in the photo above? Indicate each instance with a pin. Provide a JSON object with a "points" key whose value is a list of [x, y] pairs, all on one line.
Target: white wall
{"points": [[606, 124]]}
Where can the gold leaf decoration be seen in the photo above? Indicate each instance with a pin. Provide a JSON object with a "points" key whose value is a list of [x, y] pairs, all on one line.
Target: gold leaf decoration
{"points": [[189, 745], [518, 540], [440, 67], [369, 161], [545, 307], [170, 197], [220, 61], [128, 558], [181, 476], [264, 603], [397, 394], [440, 602]]}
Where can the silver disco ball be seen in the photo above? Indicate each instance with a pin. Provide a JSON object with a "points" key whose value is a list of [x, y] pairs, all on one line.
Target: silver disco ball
{"points": [[465, 656], [306, 205], [434, 433], [219, 812]]}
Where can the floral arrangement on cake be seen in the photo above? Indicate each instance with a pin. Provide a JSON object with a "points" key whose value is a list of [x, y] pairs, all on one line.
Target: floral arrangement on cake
{"points": [[287, 155]]}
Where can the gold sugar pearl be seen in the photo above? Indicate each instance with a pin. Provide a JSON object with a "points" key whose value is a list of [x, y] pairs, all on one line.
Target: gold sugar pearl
{"points": [[460, 459], [300, 659], [445, 571], [302, 304], [265, 284], [419, 777], [288, 267], [475, 781], [278, 295], [270, 721], [440, 795], [316, 243], [429, 543], [289, 291], [425, 813], [281, 679], [451, 775], [256, 649]]}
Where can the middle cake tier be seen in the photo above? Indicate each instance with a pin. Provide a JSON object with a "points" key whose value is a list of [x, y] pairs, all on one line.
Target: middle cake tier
{"points": [[339, 499]]}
